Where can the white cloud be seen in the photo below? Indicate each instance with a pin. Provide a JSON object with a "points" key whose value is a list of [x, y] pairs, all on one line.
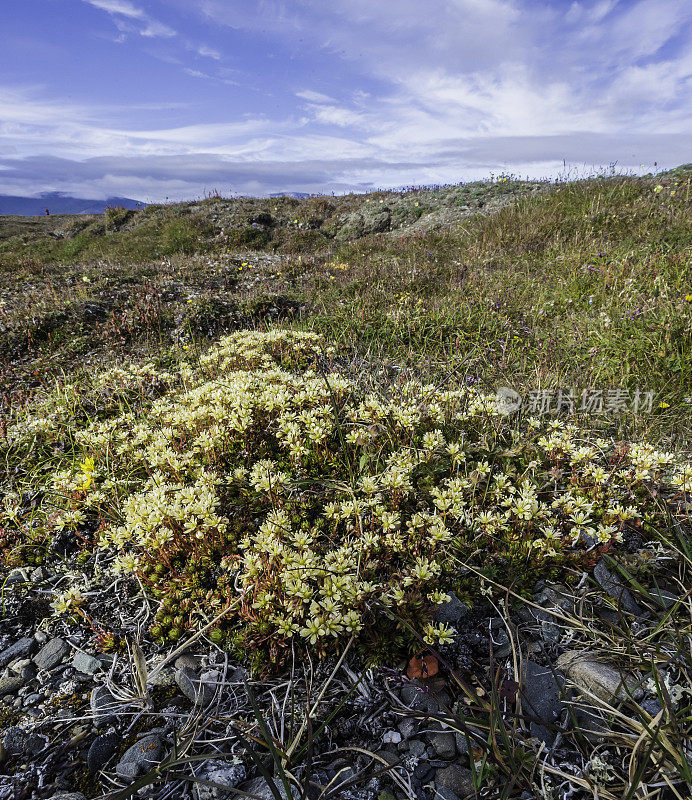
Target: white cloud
{"points": [[149, 28]]}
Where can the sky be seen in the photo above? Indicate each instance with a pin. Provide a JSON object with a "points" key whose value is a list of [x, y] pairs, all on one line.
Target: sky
{"points": [[178, 99]]}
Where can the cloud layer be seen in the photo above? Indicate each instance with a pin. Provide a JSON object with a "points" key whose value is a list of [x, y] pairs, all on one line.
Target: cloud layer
{"points": [[313, 96]]}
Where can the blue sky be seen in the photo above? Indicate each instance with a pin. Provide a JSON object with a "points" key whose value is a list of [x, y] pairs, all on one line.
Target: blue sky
{"points": [[175, 99]]}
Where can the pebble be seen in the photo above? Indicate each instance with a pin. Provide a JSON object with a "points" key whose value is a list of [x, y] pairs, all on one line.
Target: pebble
{"points": [[67, 796], [416, 748], [192, 687], [225, 773], [613, 586], [20, 649], [102, 705], [444, 745], [261, 789], [540, 700], [141, 757], [17, 742], [599, 679], [86, 664], [51, 654], [11, 684], [101, 750], [456, 778], [451, 612], [391, 737]]}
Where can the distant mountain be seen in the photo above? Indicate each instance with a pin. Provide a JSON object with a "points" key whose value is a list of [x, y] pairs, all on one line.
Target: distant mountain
{"points": [[60, 203], [297, 195]]}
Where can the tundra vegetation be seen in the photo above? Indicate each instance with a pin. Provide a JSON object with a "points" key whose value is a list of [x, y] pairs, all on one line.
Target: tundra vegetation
{"points": [[275, 424]]}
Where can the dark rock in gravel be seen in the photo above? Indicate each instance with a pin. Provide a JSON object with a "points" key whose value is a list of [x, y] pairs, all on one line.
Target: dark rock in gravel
{"points": [[20, 649], [17, 742], [260, 788], [613, 585], [443, 745], [29, 672], [416, 748], [141, 757], [103, 707], [192, 687], [443, 793], [600, 679], [86, 664], [452, 612], [664, 597], [423, 771], [651, 706], [102, 749], [416, 696], [11, 684], [15, 577], [51, 654], [540, 700], [407, 727], [457, 778], [225, 773], [67, 796]]}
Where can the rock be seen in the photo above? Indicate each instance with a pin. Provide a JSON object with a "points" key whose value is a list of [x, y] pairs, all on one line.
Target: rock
{"points": [[192, 686], [540, 700], [391, 737], [103, 705], [407, 727], [416, 748], [101, 750], [651, 706], [452, 612], [615, 588], [51, 654], [11, 684], [457, 778], [599, 679], [664, 597], [15, 577], [186, 661], [443, 793], [29, 672], [415, 696], [87, 664], [17, 742], [20, 649], [67, 796], [143, 756], [461, 744], [260, 788], [225, 773], [444, 745]]}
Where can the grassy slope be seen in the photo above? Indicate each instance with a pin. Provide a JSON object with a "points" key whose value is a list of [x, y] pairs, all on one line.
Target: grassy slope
{"points": [[505, 283]]}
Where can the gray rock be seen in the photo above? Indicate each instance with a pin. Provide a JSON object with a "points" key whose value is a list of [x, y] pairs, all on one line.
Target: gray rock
{"points": [[102, 749], [32, 699], [225, 773], [103, 707], [20, 649], [407, 727], [599, 679], [457, 778], [67, 796], [451, 613], [17, 742], [142, 757], [260, 788], [461, 744], [51, 654], [15, 577], [416, 748], [443, 793], [192, 686], [540, 700], [29, 672], [86, 664], [187, 661], [613, 586], [443, 745], [11, 684], [651, 706], [664, 597], [415, 696]]}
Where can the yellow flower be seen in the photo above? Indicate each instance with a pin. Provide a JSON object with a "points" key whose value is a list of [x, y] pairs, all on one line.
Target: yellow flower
{"points": [[87, 465], [663, 404], [688, 298]]}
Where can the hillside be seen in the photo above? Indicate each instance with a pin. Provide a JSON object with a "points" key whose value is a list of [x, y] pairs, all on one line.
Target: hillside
{"points": [[373, 497]]}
